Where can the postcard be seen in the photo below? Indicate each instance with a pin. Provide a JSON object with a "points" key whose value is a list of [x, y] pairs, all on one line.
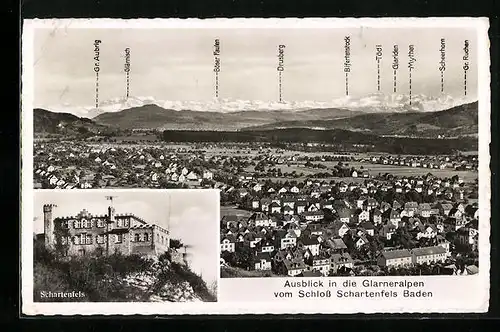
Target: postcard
{"points": [[255, 166]]}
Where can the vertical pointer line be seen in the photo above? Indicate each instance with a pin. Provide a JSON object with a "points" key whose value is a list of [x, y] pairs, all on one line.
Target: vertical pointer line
{"points": [[347, 84], [442, 81], [279, 86], [465, 83], [378, 75], [410, 86], [97, 90], [128, 84], [394, 81], [216, 84]]}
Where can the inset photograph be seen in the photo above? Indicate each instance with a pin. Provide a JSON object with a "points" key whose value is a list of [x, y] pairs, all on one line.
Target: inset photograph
{"points": [[125, 245]]}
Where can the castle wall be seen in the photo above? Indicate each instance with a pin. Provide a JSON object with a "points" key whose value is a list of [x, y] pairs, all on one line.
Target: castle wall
{"points": [[161, 239], [127, 234], [139, 243]]}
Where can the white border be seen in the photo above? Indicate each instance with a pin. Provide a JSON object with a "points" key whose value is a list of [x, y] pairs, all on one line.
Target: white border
{"points": [[480, 302]]}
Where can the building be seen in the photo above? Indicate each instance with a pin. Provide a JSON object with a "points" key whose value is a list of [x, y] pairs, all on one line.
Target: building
{"points": [[389, 258], [263, 261], [428, 255], [86, 233]]}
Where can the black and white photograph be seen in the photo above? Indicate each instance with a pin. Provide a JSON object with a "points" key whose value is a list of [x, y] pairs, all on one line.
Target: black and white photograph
{"points": [[342, 149], [132, 246]]}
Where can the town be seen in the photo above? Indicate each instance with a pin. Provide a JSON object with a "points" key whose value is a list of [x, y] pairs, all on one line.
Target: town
{"points": [[297, 210]]}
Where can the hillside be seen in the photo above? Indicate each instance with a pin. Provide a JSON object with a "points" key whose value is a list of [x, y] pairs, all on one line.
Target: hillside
{"points": [[116, 278], [155, 117], [456, 121], [45, 121]]}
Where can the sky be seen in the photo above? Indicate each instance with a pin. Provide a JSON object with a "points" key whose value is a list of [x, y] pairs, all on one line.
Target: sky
{"points": [[193, 216], [177, 64]]}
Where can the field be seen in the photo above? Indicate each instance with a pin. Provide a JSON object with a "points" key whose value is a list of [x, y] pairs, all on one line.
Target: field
{"points": [[233, 210], [374, 169]]}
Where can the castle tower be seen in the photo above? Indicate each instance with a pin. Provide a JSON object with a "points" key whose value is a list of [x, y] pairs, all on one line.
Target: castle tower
{"points": [[48, 225], [111, 214]]}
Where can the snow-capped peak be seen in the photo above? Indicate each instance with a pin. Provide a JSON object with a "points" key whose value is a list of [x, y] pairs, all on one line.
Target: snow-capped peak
{"points": [[376, 102]]}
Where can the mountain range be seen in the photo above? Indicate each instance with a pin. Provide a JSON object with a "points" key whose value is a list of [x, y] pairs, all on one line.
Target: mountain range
{"points": [[373, 103], [455, 121]]}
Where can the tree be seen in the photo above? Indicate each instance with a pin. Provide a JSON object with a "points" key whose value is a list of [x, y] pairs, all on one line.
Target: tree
{"points": [[176, 244]]}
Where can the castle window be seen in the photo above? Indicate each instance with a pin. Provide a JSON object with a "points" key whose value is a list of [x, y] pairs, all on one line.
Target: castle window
{"points": [[100, 239], [146, 237], [137, 237], [119, 222], [77, 224], [88, 239], [76, 240], [84, 223], [100, 223], [126, 222], [119, 238]]}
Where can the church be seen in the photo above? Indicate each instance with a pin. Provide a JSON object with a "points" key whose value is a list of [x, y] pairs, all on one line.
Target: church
{"points": [[105, 234]]}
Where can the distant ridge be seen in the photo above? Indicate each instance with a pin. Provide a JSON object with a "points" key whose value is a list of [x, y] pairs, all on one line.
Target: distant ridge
{"points": [[45, 121], [456, 121], [155, 117]]}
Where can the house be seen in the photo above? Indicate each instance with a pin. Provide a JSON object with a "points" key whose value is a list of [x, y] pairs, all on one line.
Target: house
{"points": [[288, 239], [368, 227], [321, 264], [336, 244], [227, 243], [312, 216], [294, 267], [288, 202], [287, 210], [427, 255], [394, 258], [441, 241], [393, 216], [360, 241], [262, 261], [310, 243], [340, 229], [428, 231], [258, 219], [362, 215], [255, 203], [376, 216], [300, 206], [257, 187], [338, 260], [264, 204], [387, 231], [444, 208], [275, 207], [192, 176], [370, 204], [424, 209], [266, 246], [345, 215]]}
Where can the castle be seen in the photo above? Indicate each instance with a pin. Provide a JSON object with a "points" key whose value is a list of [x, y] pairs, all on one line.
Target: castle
{"points": [[103, 234]]}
